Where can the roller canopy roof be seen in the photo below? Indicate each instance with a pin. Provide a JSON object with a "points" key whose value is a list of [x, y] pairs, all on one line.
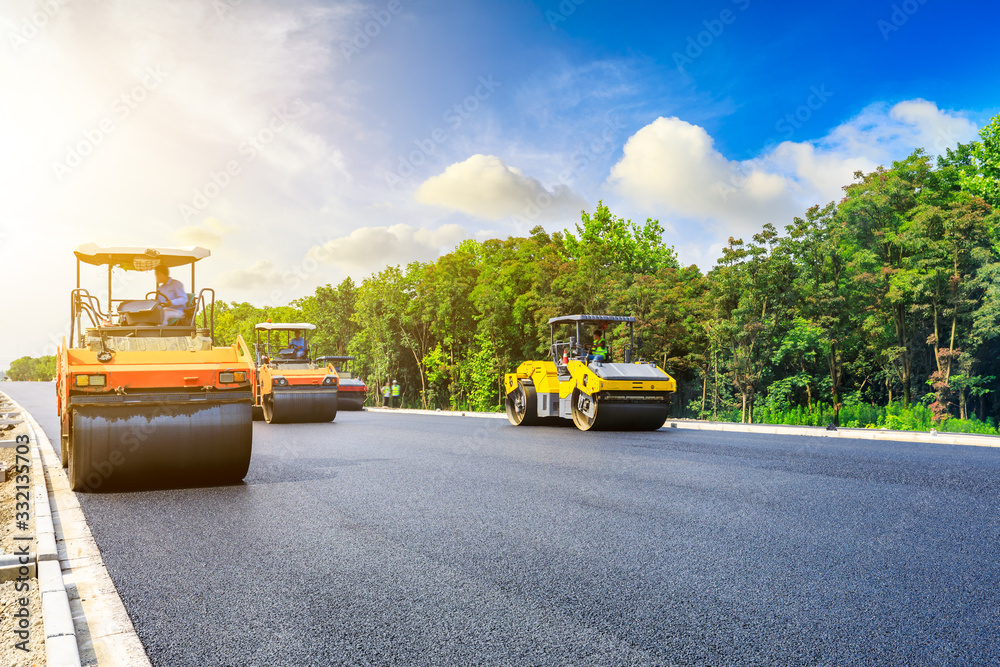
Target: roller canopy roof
{"points": [[287, 326], [572, 319], [139, 259]]}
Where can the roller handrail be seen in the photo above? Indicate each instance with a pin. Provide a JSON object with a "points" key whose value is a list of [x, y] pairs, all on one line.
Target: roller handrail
{"points": [[207, 311]]}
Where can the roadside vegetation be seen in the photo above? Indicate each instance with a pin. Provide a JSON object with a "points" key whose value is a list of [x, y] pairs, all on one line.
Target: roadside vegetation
{"points": [[881, 309], [32, 369]]}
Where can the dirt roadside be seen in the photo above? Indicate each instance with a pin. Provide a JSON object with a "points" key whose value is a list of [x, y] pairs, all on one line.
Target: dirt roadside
{"points": [[22, 635]]}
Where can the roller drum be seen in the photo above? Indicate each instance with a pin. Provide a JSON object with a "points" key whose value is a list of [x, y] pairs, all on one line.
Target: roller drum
{"points": [[296, 407], [618, 416], [350, 400], [156, 445], [522, 405]]}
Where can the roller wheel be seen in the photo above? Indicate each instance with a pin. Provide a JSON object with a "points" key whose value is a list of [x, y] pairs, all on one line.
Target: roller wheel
{"points": [[590, 414], [522, 405], [258, 413], [159, 446], [64, 450], [65, 440], [582, 404], [299, 407]]}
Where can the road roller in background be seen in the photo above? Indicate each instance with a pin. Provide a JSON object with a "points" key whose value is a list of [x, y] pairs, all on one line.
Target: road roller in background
{"points": [[352, 391], [604, 395], [148, 405], [290, 387]]}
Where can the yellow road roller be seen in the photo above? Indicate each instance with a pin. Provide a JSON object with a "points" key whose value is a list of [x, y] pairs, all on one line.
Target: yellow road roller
{"points": [[290, 387], [583, 382], [145, 398]]}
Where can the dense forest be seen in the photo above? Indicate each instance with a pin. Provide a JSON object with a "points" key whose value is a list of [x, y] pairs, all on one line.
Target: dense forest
{"points": [[880, 308]]}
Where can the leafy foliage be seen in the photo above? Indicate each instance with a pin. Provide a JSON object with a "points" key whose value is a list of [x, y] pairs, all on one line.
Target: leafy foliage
{"points": [[32, 369]]}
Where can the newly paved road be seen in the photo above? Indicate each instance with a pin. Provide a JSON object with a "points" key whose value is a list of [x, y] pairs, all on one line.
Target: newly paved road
{"points": [[398, 539]]}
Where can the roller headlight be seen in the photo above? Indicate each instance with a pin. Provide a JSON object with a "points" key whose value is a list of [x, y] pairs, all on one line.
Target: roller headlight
{"points": [[96, 380]]}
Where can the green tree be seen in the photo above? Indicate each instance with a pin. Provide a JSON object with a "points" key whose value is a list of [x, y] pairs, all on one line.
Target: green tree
{"points": [[331, 309], [32, 369], [985, 180]]}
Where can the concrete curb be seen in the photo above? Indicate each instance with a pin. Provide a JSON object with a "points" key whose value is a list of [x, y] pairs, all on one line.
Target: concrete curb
{"points": [[442, 413], [81, 609], [60, 635], [933, 437], [850, 433]]}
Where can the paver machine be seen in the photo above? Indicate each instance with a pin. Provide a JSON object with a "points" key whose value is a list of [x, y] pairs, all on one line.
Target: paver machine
{"points": [[352, 391], [290, 386], [146, 401], [575, 384]]}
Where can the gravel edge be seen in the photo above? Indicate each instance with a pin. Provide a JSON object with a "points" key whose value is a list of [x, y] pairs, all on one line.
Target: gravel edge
{"points": [[86, 597]]}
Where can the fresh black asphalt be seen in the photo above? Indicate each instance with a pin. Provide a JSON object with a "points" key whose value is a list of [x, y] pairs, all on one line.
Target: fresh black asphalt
{"points": [[430, 540]]}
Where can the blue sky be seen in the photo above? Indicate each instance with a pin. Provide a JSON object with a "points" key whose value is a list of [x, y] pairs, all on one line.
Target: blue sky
{"points": [[301, 150]]}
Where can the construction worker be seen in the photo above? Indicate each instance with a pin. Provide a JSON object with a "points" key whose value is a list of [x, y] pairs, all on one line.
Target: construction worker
{"points": [[386, 393], [395, 394], [599, 350], [170, 295], [298, 345]]}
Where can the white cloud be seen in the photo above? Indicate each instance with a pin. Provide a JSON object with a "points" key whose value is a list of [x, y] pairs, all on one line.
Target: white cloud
{"points": [[208, 234], [672, 167], [485, 187], [370, 249]]}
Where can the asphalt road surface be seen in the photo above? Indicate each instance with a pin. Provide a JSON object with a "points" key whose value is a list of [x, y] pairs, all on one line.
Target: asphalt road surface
{"points": [[404, 539]]}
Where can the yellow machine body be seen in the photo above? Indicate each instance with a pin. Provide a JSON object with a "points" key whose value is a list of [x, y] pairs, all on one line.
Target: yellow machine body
{"points": [[595, 394]]}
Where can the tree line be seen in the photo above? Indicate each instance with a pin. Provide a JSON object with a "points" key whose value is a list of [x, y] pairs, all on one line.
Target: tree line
{"points": [[886, 297], [32, 369]]}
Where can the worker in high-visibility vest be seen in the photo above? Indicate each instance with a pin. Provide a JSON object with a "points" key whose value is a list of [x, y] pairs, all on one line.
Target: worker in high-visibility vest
{"points": [[395, 394], [386, 394], [599, 350]]}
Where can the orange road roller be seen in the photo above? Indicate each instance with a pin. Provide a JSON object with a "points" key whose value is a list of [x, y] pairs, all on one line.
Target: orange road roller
{"points": [[584, 383], [352, 391], [289, 386], [145, 398]]}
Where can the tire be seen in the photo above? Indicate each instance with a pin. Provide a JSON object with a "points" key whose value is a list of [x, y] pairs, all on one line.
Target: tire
{"points": [[522, 405], [582, 421]]}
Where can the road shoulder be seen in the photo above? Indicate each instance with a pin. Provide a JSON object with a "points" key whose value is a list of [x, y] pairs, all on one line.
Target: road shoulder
{"points": [[105, 635]]}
